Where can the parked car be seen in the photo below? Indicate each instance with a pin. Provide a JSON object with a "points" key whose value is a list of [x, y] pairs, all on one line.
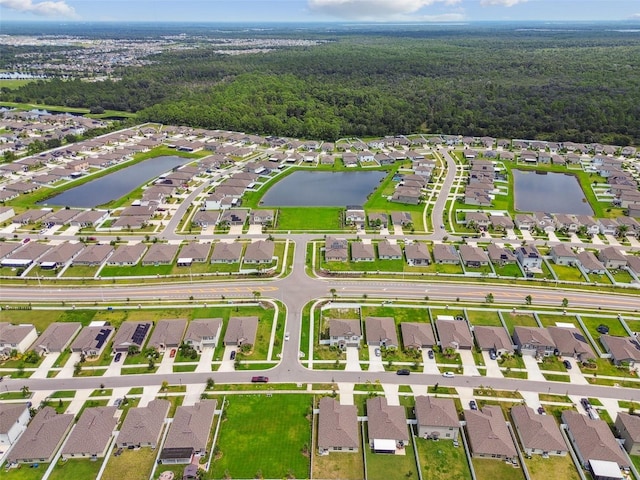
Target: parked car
{"points": [[378, 352], [430, 354], [233, 355], [585, 403], [541, 410], [403, 371], [26, 240], [118, 357], [259, 379], [287, 336], [172, 353], [117, 402], [492, 354], [567, 364], [602, 329], [448, 374], [473, 405]]}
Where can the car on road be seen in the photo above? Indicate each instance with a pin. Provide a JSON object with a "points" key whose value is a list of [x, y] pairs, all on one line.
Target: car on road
{"points": [[448, 374], [26, 240], [378, 352], [233, 355], [473, 405], [567, 364], [259, 379], [602, 329], [118, 357], [172, 353], [403, 371], [430, 354], [287, 336]]}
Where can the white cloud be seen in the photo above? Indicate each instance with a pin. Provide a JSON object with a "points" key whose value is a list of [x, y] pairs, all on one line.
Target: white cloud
{"points": [[501, 3], [635, 16], [44, 9], [373, 9]]}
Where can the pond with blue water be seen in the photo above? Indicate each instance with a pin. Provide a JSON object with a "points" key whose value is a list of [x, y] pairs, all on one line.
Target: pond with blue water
{"points": [[549, 192]]}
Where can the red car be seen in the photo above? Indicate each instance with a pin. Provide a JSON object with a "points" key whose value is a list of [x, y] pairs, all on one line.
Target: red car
{"points": [[259, 379], [172, 353]]}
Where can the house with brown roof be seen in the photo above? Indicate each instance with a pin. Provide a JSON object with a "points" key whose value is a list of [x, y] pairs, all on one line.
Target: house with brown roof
{"points": [[25, 255], [417, 254], [92, 340], [477, 219], [193, 252], [89, 218], [92, 434], [188, 433], [454, 334], [445, 254], [592, 440], [474, 257], [417, 335], [56, 337], [344, 333], [337, 427], [224, 252], [16, 337], [611, 257], [131, 334], [14, 418], [127, 255], [529, 257], [93, 255], [488, 434], [401, 219], [436, 418], [42, 438], [241, 331], [571, 342], [501, 223], [387, 426], [533, 341], [493, 338], [538, 434], [563, 255], [259, 252], [381, 332], [167, 334], [362, 252], [389, 251], [628, 428], [378, 220], [60, 255], [262, 217], [623, 350], [590, 263], [234, 216], [203, 333], [633, 262], [499, 255], [335, 249], [160, 254], [143, 425]]}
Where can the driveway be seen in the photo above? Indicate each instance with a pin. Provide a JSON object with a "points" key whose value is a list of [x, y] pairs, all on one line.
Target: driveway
{"points": [[192, 396], [235, 230], [526, 235], [45, 366], [468, 363], [353, 360], [397, 230], [148, 394], [67, 370], [493, 367], [575, 375], [553, 237], [346, 393], [255, 230], [391, 393], [429, 364], [114, 368], [227, 365], [166, 364], [533, 369], [612, 240], [375, 363], [204, 364]]}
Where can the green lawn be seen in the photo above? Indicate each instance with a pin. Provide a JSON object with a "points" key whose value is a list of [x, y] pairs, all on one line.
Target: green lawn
{"points": [[518, 319], [490, 469], [130, 465], [552, 467], [63, 394], [484, 317], [75, 468], [550, 320], [441, 460], [310, 218], [570, 274], [284, 426], [24, 472], [384, 467], [553, 364], [509, 270]]}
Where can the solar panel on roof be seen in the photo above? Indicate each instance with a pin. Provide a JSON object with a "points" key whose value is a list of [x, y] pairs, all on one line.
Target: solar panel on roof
{"points": [[140, 333], [102, 337]]}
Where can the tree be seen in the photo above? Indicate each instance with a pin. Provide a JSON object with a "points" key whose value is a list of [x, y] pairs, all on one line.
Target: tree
{"points": [[565, 302], [25, 391], [528, 299], [77, 368], [334, 293], [210, 383], [256, 294], [489, 298]]}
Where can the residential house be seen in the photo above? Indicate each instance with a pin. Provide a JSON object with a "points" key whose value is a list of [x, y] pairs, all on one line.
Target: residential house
{"points": [[590, 263], [454, 334], [241, 331], [234, 216], [205, 219], [56, 337], [344, 333], [167, 334], [160, 254], [501, 223], [93, 255], [524, 221], [91, 436], [89, 218], [224, 252], [494, 339], [566, 223], [92, 340], [362, 252], [570, 341], [14, 418], [538, 434], [378, 220], [417, 254], [337, 427], [408, 195], [477, 219], [335, 249], [611, 257], [262, 217], [445, 254], [628, 428], [623, 350], [389, 251], [499, 255], [436, 418], [401, 218], [545, 221], [143, 425], [529, 257], [533, 341], [193, 252], [259, 252], [25, 255], [61, 217], [16, 337], [203, 333], [355, 215], [593, 440], [381, 332], [588, 223], [608, 226], [131, 334], [59, 255], [633, 262], [42, 438], [127, 255], [416, 336], [488, 434], [563, 255], [474, 257], [387, 426], [631, 224], [188, 433]]}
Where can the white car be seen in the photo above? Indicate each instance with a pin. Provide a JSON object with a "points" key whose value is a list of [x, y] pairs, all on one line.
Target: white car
{"points": [[286, 336], [448, 374]]}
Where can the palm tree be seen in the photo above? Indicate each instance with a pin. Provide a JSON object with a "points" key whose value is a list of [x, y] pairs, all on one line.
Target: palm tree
{"points": [[528, 299], [622, 231], [256, 295], [334, 293], [489, 298]]}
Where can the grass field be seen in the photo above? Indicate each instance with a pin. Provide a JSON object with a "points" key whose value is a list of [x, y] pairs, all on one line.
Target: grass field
{"points": [[284, 423], [615, 327], [441, 460], [130, 465], [490, 469], [484, 317], [75, 468], [25, 472], [384, 467], [570, 274], [310, 218], [552, 467], [518, 319]]}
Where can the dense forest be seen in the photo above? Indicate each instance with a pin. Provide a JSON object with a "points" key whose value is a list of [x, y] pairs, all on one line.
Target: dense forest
{"points": [[580, 85]]}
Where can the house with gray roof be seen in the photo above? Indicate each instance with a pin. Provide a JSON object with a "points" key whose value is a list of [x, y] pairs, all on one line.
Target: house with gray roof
{"points": [[362, 252], [571, 342], [592, 440], [167, 334], [143, 425], [189, 432], [436, 418], [92, 434], [488, 434], [628, 428], [386, 426], [7, 247], [401, 219], [417, 254], [493, 338], [389, 251], [60, 255], [563, 255], [633, 262], [455, 334], [56, 337], [241, 330], [14, 418], [623, 350], [445, 254], [611, 257], [89, 218], [259, 252], [500, 255], [234, 216], [92, 340], [529, 257], [381, 332], [590, 263], [16, 337], [473, 257], [337, 427], [262, 217], [93, 255], [160, 254], [127, 255], [533, 341], [42, 438], [344, 333], [131, 334], [224, 252], [203, 333], [416, 335], [26, 255], [61, 217], [335, 249], [194, 252], [538, 434]]}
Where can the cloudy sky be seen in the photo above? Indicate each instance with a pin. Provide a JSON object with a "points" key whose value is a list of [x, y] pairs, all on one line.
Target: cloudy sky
{"points": [[319, 10]]}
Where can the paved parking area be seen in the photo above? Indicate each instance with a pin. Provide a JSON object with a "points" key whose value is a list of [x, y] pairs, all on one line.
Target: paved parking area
{"points": [[353, 360], [469, 367], [227, 365], [533, 369], [206, 357], [375, 363], [429, 364], [493, 367]]}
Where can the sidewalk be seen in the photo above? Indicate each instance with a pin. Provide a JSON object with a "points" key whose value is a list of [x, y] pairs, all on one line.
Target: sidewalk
{"points": [[45, 366]]}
